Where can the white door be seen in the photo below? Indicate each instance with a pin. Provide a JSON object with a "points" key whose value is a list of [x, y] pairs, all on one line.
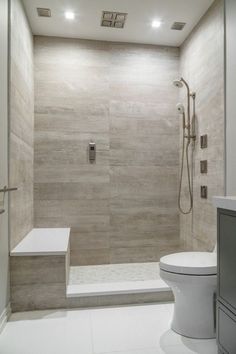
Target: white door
{"points": [[4, 262]]}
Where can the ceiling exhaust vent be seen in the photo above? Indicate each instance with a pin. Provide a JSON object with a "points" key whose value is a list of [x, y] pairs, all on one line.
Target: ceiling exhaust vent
{"points": [[178, 26], [113, 19], [42, 12]]}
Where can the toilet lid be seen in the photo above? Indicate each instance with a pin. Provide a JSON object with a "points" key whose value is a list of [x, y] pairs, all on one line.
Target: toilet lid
{"points": [[192, 263]]}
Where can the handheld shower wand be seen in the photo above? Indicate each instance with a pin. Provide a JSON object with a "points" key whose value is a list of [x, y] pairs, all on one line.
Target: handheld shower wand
{"points": [[181, 110], [189, 134]]}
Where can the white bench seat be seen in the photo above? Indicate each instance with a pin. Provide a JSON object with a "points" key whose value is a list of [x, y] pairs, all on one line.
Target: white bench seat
{"points": [[43, 241]]}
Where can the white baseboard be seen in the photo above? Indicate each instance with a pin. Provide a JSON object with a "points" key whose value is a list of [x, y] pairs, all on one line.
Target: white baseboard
{"points": [[4, 317]]}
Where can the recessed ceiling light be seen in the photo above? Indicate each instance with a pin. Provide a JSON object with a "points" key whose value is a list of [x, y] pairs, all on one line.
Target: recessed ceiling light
{"points": [[156, 24], [69, 15]]}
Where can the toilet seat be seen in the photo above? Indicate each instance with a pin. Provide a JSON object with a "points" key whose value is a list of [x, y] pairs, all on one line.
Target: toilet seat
{"points": [[190, 263]]}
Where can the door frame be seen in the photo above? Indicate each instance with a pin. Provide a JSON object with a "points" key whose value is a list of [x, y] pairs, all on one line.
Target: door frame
{"points": [[4, 160]]}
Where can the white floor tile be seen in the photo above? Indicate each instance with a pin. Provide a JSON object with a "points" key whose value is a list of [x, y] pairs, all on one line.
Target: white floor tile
{"points": [[142, 351], [171, 343], [49, 333], [125, 330]]}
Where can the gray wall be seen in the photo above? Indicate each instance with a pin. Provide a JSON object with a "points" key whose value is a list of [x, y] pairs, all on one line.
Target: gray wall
{"points": [[21, 125], [230, 6], [124, 207], [202, 65], [4, 271]]}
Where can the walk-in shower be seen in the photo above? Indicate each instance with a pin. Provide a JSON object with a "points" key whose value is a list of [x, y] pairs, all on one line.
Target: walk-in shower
{"points": [[188, 137]]}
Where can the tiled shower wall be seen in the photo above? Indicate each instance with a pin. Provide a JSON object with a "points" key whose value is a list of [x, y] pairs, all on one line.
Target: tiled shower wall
{"points": [[202, 65], [21, 125], [123, 208]]}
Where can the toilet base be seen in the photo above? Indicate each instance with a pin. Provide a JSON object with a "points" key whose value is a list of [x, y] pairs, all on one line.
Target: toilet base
{"points": [[194, 309]]}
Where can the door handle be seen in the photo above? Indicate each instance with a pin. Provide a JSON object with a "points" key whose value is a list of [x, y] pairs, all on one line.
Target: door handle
{"points": [[5, 189]]}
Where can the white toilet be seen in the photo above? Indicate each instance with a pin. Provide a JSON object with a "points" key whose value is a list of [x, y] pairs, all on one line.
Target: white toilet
{"points": [[192, 278]]}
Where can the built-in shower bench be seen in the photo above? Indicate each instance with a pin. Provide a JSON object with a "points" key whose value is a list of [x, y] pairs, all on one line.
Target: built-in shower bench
{"points": [[40, 266], [39, 269]]}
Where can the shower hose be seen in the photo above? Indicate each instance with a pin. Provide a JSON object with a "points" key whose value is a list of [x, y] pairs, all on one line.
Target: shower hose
{"points": [[185, 151]]}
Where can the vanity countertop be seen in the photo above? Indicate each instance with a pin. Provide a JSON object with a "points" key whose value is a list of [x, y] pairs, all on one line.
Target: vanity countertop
{"points": [[228, 202]]}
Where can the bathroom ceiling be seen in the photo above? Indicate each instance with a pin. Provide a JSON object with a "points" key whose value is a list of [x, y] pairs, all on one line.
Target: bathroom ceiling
{"points": [[138, 27]]}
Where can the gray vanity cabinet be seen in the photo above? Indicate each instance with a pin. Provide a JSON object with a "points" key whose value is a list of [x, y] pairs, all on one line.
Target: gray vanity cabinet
{"points": [[226, 297]]}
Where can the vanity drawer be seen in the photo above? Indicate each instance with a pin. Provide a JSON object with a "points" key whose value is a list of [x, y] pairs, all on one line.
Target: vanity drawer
{"points": [[226, 330]]}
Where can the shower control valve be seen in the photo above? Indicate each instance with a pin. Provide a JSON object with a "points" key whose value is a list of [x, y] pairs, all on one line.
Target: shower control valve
{"points": [[92, 152]]}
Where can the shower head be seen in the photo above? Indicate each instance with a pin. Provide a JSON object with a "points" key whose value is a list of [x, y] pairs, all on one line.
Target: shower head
{"points": [[178, 83], [180, 108]]}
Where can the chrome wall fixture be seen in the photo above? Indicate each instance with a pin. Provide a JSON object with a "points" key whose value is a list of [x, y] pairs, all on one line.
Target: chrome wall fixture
{"points": [[188, 137], [92, 152]]}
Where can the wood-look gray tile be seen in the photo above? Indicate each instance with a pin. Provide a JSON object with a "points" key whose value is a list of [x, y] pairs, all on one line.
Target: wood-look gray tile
{"points": [[71, 191], [203, 72], [21, 201], [89, 240], [90, 256], [119, 95], [38, 297], [21, 124], [37, 270], [85, 223]]}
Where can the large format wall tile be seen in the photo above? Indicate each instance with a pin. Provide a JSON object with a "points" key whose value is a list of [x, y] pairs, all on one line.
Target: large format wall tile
{"points": [[37, 296], [21, 175], [123, 208], [21, 149], [38, 282], [37, 269], [202, 65]]}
